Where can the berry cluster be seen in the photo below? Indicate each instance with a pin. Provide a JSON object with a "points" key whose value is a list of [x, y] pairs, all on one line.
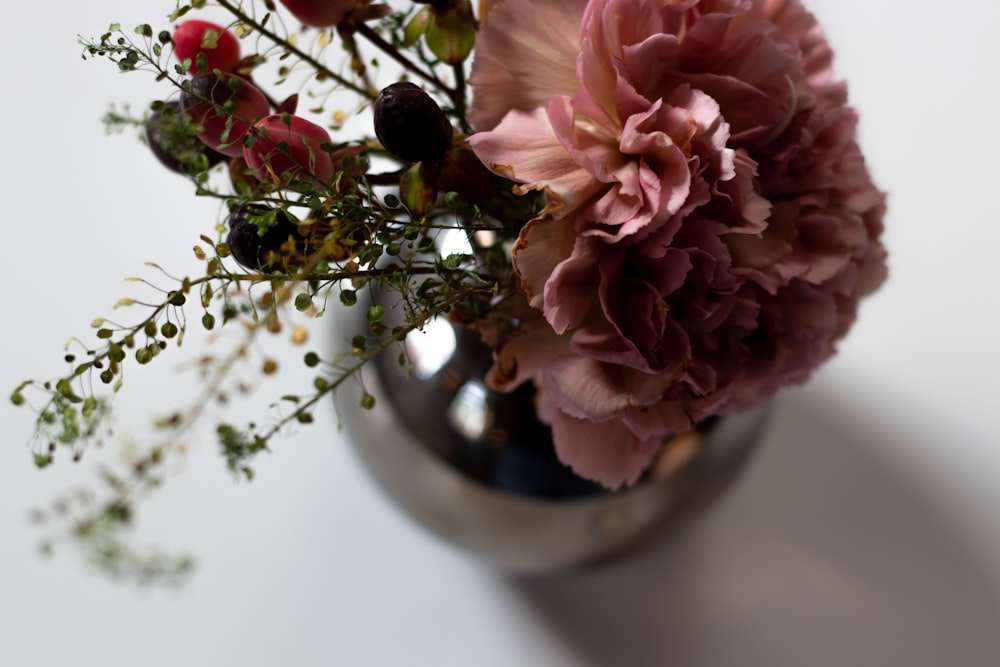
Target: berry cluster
{"points": [[265, 142], [312, 223], [232, 119]]}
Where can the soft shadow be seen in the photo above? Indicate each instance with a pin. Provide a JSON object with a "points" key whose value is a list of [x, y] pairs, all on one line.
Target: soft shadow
{"points": [[830, 551]]}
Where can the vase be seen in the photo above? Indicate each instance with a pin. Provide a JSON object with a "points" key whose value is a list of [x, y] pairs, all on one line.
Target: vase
{"points": [[477, 468]]}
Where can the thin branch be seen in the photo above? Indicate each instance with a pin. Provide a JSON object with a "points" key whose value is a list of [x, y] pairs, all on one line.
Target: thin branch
{"points": [[284, 43], [394, 53]]}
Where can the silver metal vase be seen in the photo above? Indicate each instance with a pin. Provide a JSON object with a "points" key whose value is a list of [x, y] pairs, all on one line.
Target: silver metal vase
{"points": [[477, 468]]}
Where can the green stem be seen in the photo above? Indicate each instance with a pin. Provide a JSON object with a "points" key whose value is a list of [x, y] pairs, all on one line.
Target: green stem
{"points": [[357, 62], [458, 97], [394, 53]]}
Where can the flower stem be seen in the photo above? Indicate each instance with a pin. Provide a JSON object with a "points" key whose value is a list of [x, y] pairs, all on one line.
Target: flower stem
{"points": [[394, 53], [357, 62], [305, 57], [458, 96]]}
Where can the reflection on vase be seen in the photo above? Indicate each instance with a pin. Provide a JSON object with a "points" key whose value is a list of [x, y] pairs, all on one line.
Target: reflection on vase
{"points": [[477, 467]]}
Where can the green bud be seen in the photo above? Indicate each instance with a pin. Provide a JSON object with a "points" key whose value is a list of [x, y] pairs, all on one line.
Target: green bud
{"points": [[451, 33], [348, 297], [418, 188], [417, 26], [303, 302]]}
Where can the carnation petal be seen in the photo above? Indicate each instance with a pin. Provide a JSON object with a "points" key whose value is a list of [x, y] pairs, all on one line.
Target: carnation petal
{"points": [[605, 451], [711, 225], [589, 389], [524, 148], [525, 53], [524, 355], [568, 292], [603, 342], [540, 247]]}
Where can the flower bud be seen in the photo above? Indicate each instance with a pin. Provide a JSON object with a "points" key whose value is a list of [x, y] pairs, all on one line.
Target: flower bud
{"points": [[451, 32], [320, 13], [289, 148], [225, 106], [418, 187], [411, 125]]}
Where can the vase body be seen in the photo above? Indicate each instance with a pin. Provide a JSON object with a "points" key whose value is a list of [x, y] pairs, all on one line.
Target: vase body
{"points": [[477, 468]]}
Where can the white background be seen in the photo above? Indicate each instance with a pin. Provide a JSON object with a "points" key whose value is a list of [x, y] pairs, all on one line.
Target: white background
{"points": [[865, 532]]}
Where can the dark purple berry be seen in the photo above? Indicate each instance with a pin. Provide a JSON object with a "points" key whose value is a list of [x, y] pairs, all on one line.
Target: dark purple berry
{"points": [[267, 253], [411, 125], [172, 140]]}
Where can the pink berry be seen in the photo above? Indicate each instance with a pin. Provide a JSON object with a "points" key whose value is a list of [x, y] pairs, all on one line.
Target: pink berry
{"points": [[289, 148], [190, 40], [320, 13], [225, 106]]}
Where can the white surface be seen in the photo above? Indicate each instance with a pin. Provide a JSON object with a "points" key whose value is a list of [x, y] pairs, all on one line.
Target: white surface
{"points": [[863, 534]]}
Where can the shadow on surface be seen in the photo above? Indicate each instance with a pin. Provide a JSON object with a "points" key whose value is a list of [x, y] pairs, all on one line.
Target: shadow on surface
{"points": [[829, 552]]}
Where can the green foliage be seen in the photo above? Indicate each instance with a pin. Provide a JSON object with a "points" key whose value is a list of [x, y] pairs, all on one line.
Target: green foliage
{"points": [[239, 448], [363, 232]]}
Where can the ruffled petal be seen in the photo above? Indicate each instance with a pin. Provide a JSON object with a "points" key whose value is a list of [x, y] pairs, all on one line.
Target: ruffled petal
{"points": [[524, 355], [524, 148], [543, 244], [710, 225], [606, 452], [525, 54]]}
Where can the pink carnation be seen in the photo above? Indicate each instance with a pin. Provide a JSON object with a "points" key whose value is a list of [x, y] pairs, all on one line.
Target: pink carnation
{"points": [[710, 223]]}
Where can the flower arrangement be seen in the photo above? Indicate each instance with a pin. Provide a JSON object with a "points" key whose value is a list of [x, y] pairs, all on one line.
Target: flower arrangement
{"points": [[666, 211]]}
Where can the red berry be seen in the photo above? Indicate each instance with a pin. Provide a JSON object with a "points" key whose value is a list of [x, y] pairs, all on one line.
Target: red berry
{"points": [[320, 13], [221, 48], [289, 148], [225, 106]]}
